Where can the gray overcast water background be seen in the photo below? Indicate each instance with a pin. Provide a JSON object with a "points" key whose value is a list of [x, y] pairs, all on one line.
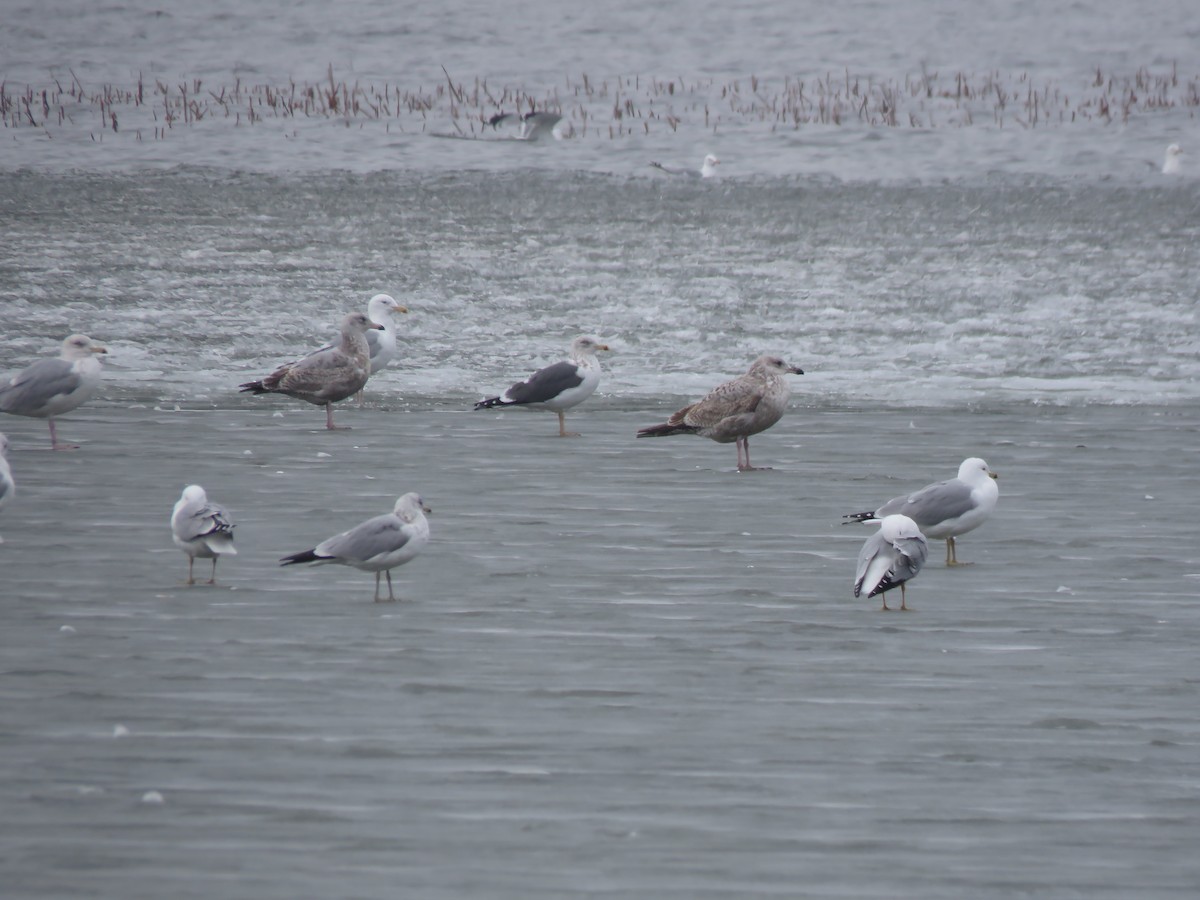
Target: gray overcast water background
{"points": [[621, 669]]}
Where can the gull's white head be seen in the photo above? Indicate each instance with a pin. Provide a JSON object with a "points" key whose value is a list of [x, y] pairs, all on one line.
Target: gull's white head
{"points": [[709, 169], [410, 507], [975, 471], [193, 493], [80, 346], [382, 306], [1172, 163], [584, 345], [897, 527]]}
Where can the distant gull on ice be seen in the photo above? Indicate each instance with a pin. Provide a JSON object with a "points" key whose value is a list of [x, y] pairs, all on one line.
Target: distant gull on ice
{"points": [[707, 170], [51, 387], [8, 487], [328, 375], [201, 528], [736, 409], [557, 387], [532, 125], [890, 557], [948, 508], [377, 545], [1172, 162]]}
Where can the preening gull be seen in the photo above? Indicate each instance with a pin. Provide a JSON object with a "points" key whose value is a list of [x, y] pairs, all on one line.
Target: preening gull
{"points": [[948, 508], [51, 387], [707, 170], [890, 557], [736, 409], [557, 387], [377, 545], [1172, 162], [8, 487], [533, 125], [328, 375], [201, 528]]}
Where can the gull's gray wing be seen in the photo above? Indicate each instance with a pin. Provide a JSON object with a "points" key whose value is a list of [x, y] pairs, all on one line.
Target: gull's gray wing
{"points": [[34, 387], [931, 504], [545, 384], [203, 520], [374, 537]]}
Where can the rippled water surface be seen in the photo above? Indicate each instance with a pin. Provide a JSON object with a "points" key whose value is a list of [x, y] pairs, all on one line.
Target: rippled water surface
{"points": [[621, 668]]}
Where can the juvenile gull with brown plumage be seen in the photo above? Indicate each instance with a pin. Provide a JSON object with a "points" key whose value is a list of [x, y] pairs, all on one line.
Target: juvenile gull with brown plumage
{"points": [[736, 409], [327, 376], [557, 387]]}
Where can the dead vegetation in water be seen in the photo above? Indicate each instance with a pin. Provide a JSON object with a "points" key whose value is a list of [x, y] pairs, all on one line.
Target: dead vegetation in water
{"points": [[605, 108]]}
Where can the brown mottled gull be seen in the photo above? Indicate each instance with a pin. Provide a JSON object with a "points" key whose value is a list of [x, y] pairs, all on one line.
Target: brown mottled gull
{"points": [[51, 387], [327, 376], [736, 409]]}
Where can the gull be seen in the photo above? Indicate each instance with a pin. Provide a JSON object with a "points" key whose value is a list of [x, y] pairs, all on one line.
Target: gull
{"points": [[377, 545], [380, 344], [890, 557], [8, 487], [328, 375], [707, 170], [736, 409], [946, 509], [533, 125], [201, 528], [51, 387], [557, 387], [1172, 164]]}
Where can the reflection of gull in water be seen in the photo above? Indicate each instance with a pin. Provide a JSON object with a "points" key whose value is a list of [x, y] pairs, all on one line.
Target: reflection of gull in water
{"points": [[890, 557], [1172, 164], [201, 528], [946, 509], [377, 545], [559, 386], [707, 170], [51, 387], [532, 125]]}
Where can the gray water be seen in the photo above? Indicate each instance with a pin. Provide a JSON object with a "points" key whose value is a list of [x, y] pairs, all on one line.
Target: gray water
{"points": [[621, 668]]}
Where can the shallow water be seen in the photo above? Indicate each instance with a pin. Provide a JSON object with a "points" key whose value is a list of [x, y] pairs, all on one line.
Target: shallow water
{"points": [[622, 668]]}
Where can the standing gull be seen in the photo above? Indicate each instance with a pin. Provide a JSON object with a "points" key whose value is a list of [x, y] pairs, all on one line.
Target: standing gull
{"points": [[736, 409], [557, 387], [381, 344], [201, 528], [1172, 163], [51, 387], [890, 557], [377, 545], [327, 376], [8, 487], [948, 508], [707, 170]]}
